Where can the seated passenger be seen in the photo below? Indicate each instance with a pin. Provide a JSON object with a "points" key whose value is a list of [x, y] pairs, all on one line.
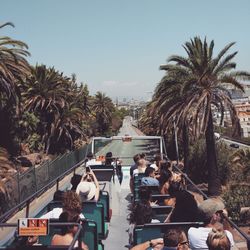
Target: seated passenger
{"points": [[71, 202], [185, 209], [75, 180], [91, 160], [217, 240], [145, 196], [58, 195], [68, 232], [136, 158], [109, 160], [149, 179], [211, 212], [172, 239], [24, 241], [165, 165], [164, 181], [156, 164], [141, 214], [142, 165], [88, 188]]}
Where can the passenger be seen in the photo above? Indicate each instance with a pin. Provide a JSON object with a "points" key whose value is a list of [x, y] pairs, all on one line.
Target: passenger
{"points": [[165, 165], [172, 239], [185, 210], [164, 180], [141, 214], [149, 179], [91, 160], [88, 188], [145, 195], [174, 187], [218, 240], [71, 202], [58, 195], [142, 165], [156, 164], [68, 232], [211, 212], [24, 241], [75, 180], [136, 158], [109, 160]]}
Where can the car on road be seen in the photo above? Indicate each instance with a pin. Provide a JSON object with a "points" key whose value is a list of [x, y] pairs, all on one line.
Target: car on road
{"points": [[217, 136], [234, 145]]}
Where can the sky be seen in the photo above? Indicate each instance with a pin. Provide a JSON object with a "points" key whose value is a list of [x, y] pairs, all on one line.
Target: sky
{"points": [[116, 46]]}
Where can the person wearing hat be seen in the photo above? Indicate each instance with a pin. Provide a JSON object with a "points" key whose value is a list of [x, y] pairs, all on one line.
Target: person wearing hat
{"points": [[88, 189], [212, 212]]}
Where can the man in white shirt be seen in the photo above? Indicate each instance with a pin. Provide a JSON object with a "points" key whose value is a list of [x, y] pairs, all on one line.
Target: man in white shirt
{"points": [[211, 211], [91, 160]]}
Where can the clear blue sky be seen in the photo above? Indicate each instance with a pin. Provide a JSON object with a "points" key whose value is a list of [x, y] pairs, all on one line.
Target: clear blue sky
{"points": [[117, 46]]}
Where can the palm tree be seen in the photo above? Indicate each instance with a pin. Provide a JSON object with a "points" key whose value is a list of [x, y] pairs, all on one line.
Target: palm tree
{"points": [[46, 92], [13, 68], [201, 81], [103, 108]]}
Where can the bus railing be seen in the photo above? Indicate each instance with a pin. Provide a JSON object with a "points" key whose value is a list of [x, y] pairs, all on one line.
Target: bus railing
{"points": [[33, 183], [243, 234]]}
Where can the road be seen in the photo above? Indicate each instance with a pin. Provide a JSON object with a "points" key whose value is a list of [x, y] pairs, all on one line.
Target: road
{"points": [[228, 142], [125, 150], [127, 127]]}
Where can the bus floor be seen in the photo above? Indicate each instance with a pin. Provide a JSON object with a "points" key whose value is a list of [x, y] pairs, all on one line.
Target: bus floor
{"points": [[118, 235]]}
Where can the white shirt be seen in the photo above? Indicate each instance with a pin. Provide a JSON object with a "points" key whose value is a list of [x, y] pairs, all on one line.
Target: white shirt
{"points": [[55, 213], [93, 162], [139, 171], [198, 237], [154, 166]]}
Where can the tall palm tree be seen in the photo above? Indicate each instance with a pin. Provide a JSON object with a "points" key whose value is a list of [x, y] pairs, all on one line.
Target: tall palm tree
{"points": [[103, 108], [46, 92], [13, 68], [201, 80], [13, 65]]}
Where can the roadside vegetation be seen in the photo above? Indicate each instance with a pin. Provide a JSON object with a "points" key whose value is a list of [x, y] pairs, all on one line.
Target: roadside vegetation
{"points": [[44, 113], [184, 100]]}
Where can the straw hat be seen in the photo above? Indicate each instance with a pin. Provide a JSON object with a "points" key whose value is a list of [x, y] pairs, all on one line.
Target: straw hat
{"points": [[86, 190]]}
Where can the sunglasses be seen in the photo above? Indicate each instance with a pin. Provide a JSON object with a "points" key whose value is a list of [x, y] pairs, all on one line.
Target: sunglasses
{"points": [[184, 243]]}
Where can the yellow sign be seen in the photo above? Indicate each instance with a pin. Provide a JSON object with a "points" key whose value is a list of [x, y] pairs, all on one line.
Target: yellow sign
{"points": [[33, 227]]}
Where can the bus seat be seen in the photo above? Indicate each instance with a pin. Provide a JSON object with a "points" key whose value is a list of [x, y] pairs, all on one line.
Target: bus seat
{"points": [[104, 199], [95, 211], [161, 212]]}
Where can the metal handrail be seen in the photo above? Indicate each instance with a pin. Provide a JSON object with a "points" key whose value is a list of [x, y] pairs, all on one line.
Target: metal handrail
{"points": [[244, 235], [56, 224], [27, 200]]}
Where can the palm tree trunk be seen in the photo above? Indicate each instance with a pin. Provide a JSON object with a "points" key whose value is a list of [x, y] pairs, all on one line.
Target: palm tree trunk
{"points": [[214, 183], [185, 139]]}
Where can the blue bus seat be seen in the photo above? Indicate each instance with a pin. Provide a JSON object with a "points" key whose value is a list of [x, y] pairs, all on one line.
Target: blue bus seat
{"points": [[90, 235], [95, 211], [104, 199], [103, 172], [161, 212]]}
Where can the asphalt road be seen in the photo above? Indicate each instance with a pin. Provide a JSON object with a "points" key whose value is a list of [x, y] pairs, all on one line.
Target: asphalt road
{"points": [[228, 142], [125, 150]]}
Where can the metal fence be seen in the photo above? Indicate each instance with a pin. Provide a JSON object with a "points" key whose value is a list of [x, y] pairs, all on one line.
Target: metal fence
{"points": [[21, 186]]}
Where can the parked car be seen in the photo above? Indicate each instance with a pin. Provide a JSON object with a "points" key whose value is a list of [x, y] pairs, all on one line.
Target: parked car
{"points": [[234, 145], [217, 136]]}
